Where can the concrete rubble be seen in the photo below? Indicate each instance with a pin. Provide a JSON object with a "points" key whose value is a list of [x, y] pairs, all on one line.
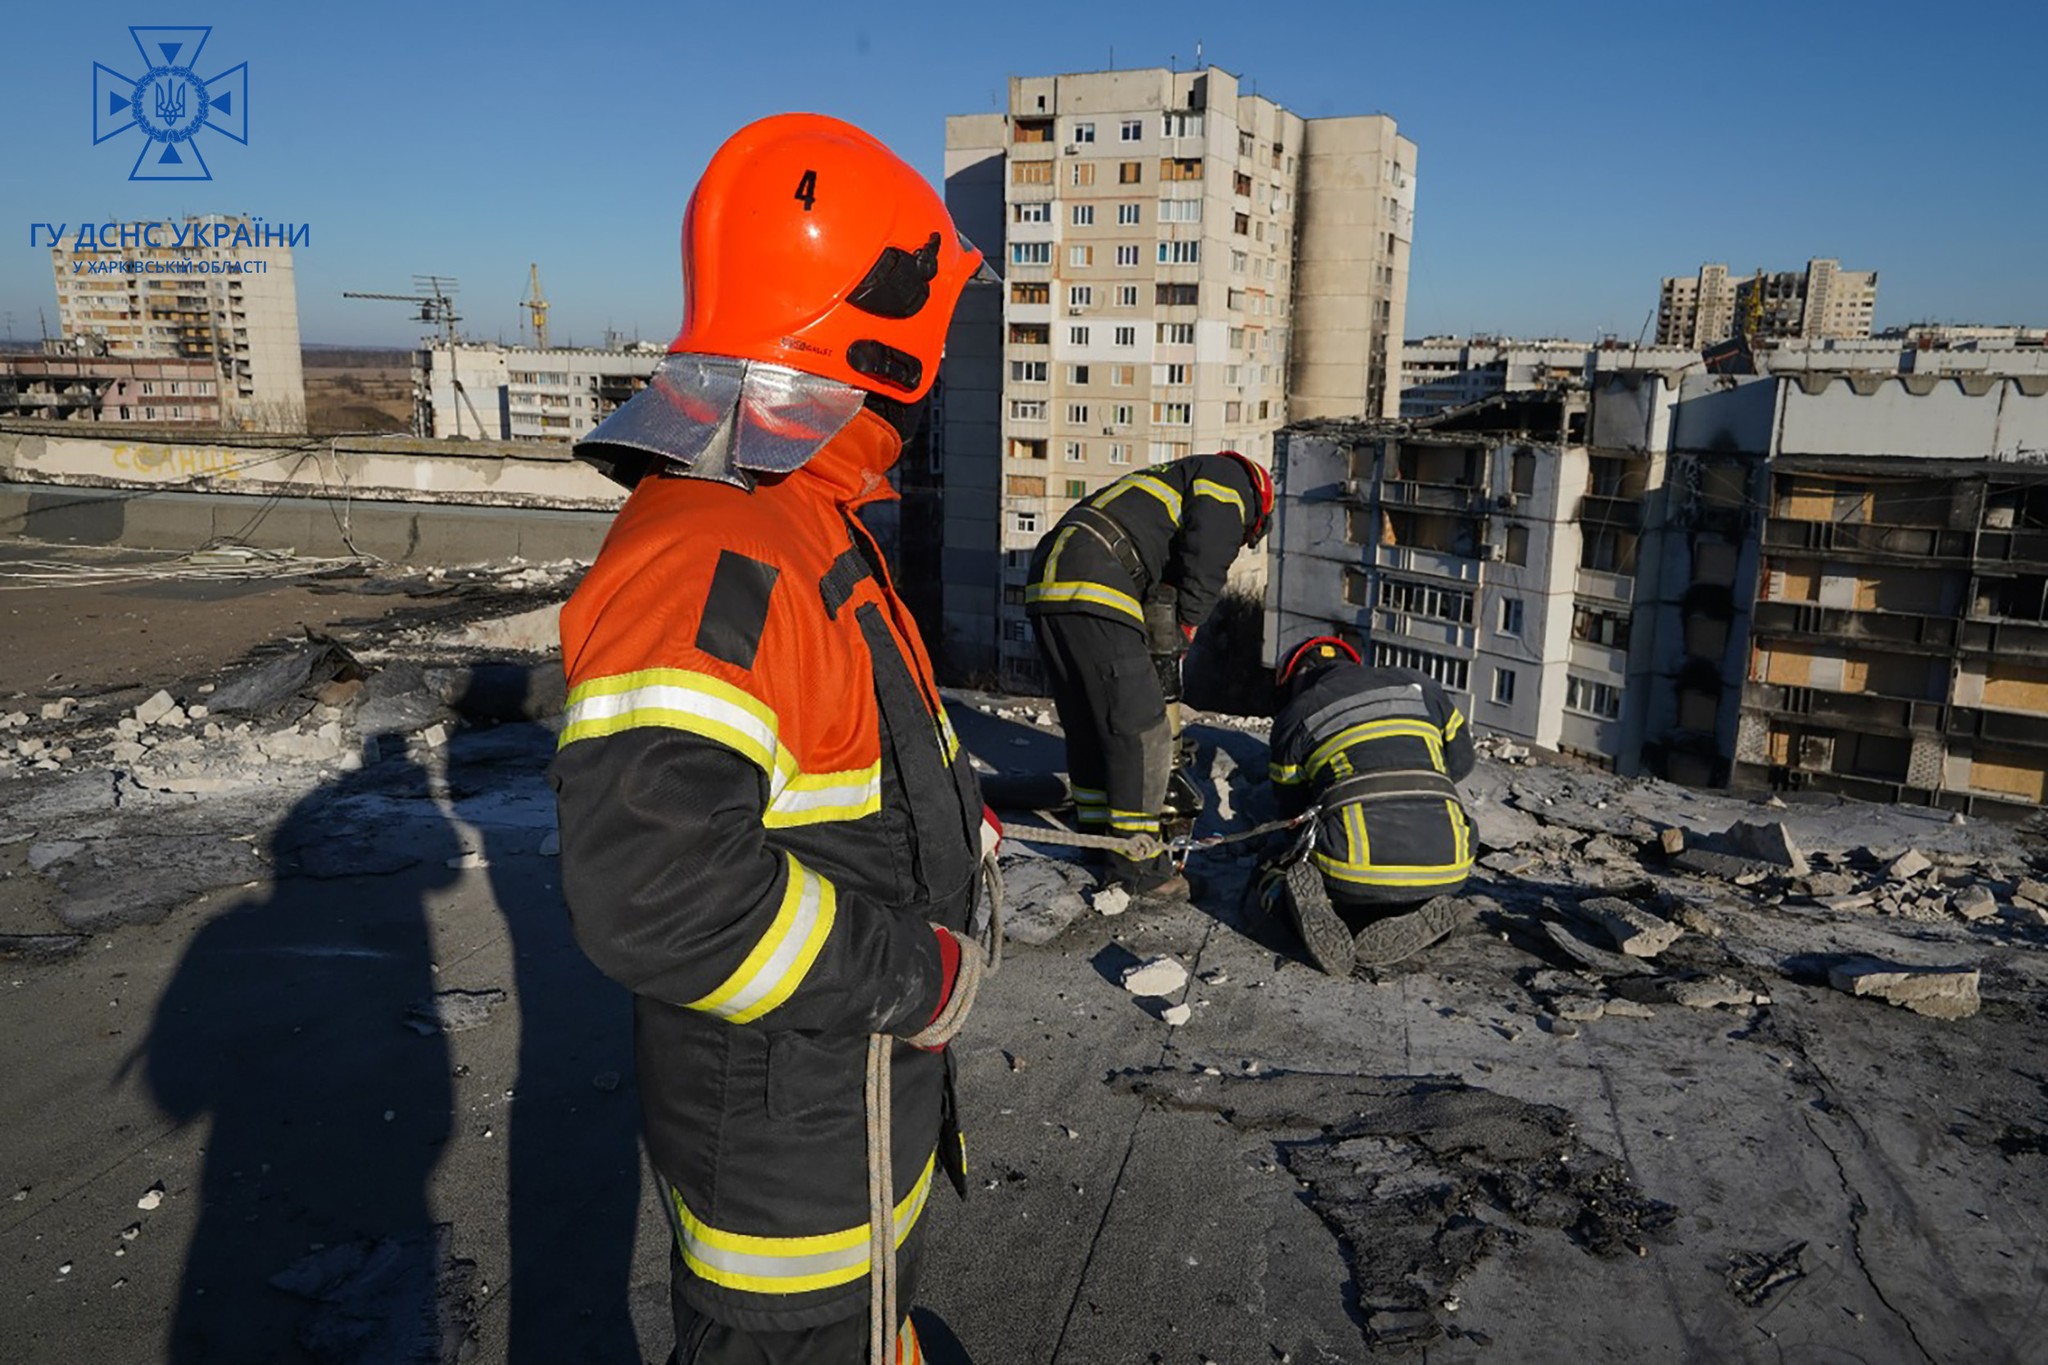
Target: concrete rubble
{"points": [[1698, 1069]]}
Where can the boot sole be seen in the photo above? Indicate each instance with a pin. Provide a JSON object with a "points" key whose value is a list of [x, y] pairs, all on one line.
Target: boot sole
{"points": [[1387, 941], [1326, 936]]}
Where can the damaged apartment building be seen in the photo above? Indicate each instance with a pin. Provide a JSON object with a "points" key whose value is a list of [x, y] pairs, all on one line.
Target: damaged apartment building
{"points": [[1822, 582]]}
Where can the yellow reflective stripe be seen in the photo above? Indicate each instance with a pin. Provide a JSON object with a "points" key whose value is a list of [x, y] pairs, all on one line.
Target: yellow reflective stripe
{"points": [[1143, 483], [784, 954], [678, 699], [1399, 727], [789, 1265], [1358, 867], [949, 742], [1286, 774], [1088, 794], [1086, 592], [1209, 488], [681, 699], [1454, 724], [1134, 822], [816, 798]]}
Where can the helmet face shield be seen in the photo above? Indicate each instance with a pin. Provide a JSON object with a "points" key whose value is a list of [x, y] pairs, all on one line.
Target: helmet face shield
{"points": [[717, 411]]}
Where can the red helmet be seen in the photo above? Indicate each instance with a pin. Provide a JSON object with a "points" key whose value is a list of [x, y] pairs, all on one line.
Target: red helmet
{"points": [[1262, 485], [1314, 654], [808, 244]]}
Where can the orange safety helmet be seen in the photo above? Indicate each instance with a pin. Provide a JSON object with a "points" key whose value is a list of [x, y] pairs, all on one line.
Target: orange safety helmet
{"points": [[1262, 486], [1317, 653], [809, 244]]}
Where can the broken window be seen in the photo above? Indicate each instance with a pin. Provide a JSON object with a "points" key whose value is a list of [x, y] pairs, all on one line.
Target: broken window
{"points": [[1600, 627], [1523, 480], [2017, 599], [1517, 548], [1426, 599], [1608, 550]]}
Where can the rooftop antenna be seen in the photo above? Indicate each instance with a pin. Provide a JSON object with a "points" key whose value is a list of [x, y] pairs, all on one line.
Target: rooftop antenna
{"points": [[435, 294], [1198, 54]]}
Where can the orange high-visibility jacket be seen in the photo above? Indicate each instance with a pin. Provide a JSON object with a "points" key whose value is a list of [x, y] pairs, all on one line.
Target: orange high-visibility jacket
{"points": [[764, 810]]}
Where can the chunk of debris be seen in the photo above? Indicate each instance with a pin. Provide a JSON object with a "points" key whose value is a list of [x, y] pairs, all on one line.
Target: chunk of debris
{"points": [[1041, 897], [1635, 931], [1672, 841], [1176, 1015], [1768, 842], [1937, 992], [1579, 1009], [1629, 1009], [394, 1299], [1974, 903], [1586, 955], [1112, 900], [1157, 976], [1907, 865], [1753, 1276], [60, 708], [151, 1198], [155, 709]]}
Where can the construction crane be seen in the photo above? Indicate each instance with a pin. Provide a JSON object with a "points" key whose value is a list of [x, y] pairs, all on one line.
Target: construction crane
{"points": [[435, 295], [536, 304]]}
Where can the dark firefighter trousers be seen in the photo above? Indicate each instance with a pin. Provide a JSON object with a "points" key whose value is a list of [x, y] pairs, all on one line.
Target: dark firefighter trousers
{"points": [[1119, 748]]}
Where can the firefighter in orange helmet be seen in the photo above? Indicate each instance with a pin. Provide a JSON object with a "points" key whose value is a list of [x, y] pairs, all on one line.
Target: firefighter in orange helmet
{"points": [[769, 830]]}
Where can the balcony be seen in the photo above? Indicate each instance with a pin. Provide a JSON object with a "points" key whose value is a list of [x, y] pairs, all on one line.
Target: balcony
{"points": [[1621, 514], [1611, 587], [2007, 639], [2016, 547], [1998, 727], [1893, 630], [1912, 542], [1444, 497], [1408, 559], [1860, 711]]}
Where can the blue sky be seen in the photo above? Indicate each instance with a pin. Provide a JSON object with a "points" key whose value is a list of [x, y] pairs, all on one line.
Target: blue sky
{"points": [[1571, 154]]}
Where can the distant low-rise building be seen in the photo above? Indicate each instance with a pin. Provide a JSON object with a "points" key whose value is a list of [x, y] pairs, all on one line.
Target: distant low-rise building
{"points": [[517, 393], [65, 386]]}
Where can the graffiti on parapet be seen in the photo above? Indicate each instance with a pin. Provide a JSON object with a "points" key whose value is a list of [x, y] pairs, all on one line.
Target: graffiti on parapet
{"points": [[177, 462]]}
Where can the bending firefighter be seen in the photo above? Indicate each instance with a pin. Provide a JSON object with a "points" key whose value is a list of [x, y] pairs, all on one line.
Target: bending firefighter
{"points": [[1378, 752], [769, 831], [1117, 591]]}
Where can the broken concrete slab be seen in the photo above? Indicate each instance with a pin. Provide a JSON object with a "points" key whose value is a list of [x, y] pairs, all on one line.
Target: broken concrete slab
{"points": [[1937, 992], [1635, 931], [1974, 903], [1041, 897], [1111, 900], [1768, 842], [155, 709], [1596, 959], [1672, 841], [1908, 865], [272, 687]]}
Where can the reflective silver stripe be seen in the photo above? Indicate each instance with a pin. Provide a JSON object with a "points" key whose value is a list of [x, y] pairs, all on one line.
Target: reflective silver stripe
{"points": [[779, 961], [790, 1265]]}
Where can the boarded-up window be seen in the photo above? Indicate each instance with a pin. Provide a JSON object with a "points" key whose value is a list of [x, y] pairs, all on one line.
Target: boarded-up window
{"points": [[2009, 774], [2013, 688], [1792, 580], [1787, 668], [1027, 486], [1518, 545], [1780, 747], [1806, 499]]}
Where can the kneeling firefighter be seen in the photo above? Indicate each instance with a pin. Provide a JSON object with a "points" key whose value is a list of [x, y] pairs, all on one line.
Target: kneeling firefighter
{"points": [[1118, 588], [1377, 752], [769, 831]]}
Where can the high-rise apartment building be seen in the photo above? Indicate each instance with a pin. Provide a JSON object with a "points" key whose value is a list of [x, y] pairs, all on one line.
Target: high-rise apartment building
{"points": [[166, 302], [1187, 267], [1823, 300]]}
